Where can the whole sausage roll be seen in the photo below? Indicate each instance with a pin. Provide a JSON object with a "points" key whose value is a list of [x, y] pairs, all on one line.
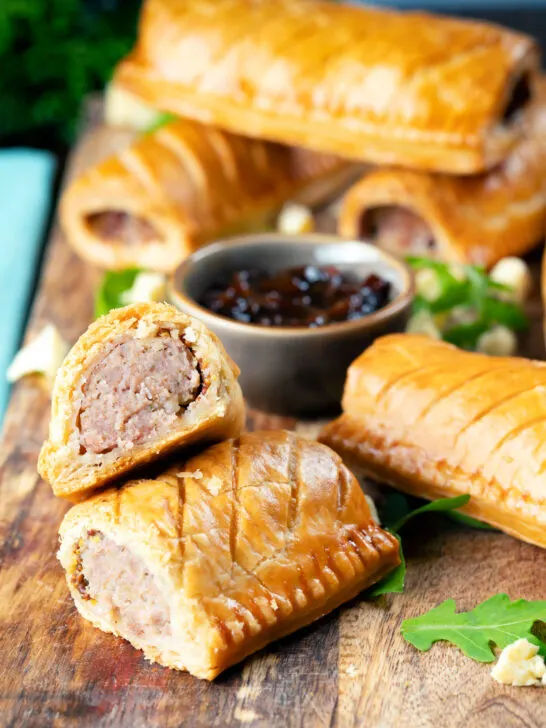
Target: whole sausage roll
{"points": [[436, 421], [387, 87], [478, 219], [185, 184], [246, 542], [140, 382]]}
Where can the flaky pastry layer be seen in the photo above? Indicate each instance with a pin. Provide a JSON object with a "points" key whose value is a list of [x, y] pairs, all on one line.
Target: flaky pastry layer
{"points": [[471, 219], [216, 409], [435, 421], [183, 185], [246, 542], [381, 86]]}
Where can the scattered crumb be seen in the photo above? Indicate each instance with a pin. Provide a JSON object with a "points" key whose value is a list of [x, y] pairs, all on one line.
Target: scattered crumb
{"points": [[190, 335], [196, 474], [214, 485], [147, 286], [519, 664], [351, 670], [43, 355], [146, 329]]}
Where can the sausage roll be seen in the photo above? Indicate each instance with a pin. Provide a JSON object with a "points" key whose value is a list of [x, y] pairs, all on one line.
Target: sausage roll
{"points": [[436, 421], [478, 219], [382, 86], [183, 185], [246, 542], [140, 382]]}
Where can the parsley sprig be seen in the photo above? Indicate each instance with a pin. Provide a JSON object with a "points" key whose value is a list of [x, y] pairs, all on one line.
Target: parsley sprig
{"points": [[480, 303]]}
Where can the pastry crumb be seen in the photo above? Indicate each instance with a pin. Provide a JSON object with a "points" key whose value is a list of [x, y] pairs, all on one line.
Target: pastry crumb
{"points": [[195, 474], [190, 335]]}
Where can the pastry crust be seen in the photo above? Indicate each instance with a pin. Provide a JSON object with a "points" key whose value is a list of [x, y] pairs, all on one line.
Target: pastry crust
{"points": [[216, 412], [184, 185], [247, 542], [382, 86], [478, 219], [436, 421]]}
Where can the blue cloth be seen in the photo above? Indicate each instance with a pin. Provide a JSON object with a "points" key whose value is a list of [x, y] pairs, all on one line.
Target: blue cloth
{"points": [[26, 180]]}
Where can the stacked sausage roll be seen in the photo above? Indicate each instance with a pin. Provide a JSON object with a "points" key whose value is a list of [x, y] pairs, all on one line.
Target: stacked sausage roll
{"points": [[201, 559], [328, 86]]}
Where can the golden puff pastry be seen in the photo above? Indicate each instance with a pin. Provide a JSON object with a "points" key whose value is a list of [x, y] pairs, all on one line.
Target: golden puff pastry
{"points": [[381, 86], [436, 421], [244, 543], [140, 382], [185, 184], [458, 219]]}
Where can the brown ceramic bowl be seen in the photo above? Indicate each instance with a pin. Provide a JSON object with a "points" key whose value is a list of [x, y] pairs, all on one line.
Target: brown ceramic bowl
{"points": [[286, 370]]}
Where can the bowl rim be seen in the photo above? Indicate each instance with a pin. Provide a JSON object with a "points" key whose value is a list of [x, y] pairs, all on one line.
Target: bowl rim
{"points": [[189, 305]]}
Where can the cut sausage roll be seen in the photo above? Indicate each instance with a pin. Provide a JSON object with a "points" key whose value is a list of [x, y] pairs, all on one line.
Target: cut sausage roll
{"points": [[244, 543], [140, 382], [382, 86], [478, 219], [436, 421], [183, 185]]}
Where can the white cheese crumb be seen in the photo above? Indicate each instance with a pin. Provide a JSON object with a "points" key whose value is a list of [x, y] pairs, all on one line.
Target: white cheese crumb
{"points": [[351, 670], [519, 664], [423, 323], [43, 355], [498, 341], [123, 108], [373, 509], [146, 287], [295, 219], [427, 284], [514, 273]]}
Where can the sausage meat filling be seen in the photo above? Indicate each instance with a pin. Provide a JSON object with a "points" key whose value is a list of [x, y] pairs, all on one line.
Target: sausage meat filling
{"points": [[119, 589], [136, 392], [116, 226], [398, 230]]}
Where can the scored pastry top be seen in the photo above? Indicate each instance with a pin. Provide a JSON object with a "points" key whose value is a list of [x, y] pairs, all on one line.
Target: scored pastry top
{"points": [[247, 541], [409, 79]]}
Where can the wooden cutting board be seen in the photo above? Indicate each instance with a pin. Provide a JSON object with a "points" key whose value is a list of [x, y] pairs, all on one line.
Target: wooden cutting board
{"points": [[351, 668]]}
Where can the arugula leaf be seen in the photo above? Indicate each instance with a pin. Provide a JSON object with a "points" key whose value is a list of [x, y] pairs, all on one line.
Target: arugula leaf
{"points": [[393, 583], [395, 507], [465, 520], [497, 620], [466, 336], [470, 288], [506, 313], [394, 517], [113, 284], [442, 505], [162, 119]]}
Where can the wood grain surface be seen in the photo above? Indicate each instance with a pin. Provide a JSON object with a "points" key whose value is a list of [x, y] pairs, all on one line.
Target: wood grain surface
{"points": [[350, 669]]}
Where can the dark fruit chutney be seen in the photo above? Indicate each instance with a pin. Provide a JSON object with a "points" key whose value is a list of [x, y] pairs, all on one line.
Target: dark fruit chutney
{"points": [[305, 296]]}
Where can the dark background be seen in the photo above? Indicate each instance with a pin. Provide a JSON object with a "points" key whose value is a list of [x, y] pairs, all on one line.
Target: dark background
{"points": [[54, 52]]}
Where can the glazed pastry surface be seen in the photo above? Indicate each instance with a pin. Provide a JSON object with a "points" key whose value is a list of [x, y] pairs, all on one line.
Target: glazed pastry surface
{"points": [[140, 382], [382, 86], [185, 184], [436, 421], [244, 543], [461, 219]]}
